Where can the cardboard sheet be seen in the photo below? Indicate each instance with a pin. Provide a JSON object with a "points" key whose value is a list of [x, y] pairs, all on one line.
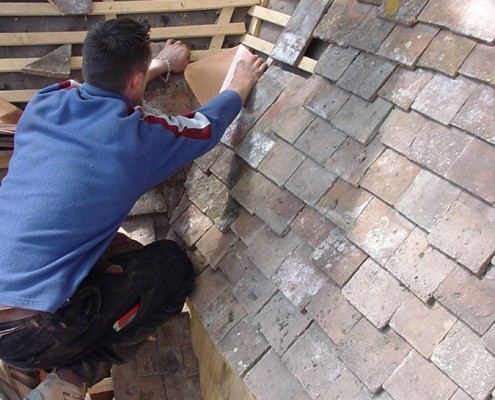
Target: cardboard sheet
{"points": [[209, 76]]}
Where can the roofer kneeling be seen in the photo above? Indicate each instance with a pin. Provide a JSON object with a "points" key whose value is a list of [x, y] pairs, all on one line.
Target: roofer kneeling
{"points": [[76, 296]]}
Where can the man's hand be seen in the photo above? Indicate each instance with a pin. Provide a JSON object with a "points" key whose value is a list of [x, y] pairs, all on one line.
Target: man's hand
{"points": [[246, 74], [177, 54]]}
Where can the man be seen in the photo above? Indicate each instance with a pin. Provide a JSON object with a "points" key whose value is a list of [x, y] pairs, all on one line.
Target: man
{"points": [[83, 155]]}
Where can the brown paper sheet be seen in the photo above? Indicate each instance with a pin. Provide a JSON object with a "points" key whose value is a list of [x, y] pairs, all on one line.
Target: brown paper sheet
{"points": [[209, 76]]}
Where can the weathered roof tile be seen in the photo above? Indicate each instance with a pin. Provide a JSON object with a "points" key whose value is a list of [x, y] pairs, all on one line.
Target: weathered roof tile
{"points": [[272, 83], [446, 52], [333, 312], [469, 298], [473, 170], [251, 189], [313, 360], [473, 19], [343, 203], [214, 244], [389, 176], [278, 209], [229, 168], [261, 384], [422, 326], [428, 381], [380, 230], [191, 225], [268, 250], [371, 33], [405, 45], [427, 199], [310, 182], [243, 346], [418, 266], [281, 162], [477, 115], [442, 97], [375, 293], [253, 290], [255, 146], [297, 278], [326, 99], [338, 257], [334, 61], [347, 386], [366, 75], [404, 85], [451, 235], [403, 12], [361, 119], [341, 20], [281, 323], [480, 64], [384, 351], [311, 226], [352, 159], [320, 140], [462, 347]]}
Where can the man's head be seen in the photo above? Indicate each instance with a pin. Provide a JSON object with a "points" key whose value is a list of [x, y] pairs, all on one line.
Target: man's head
{"points": [[117, 54]]}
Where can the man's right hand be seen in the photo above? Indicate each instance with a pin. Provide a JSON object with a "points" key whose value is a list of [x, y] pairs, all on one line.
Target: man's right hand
{"points": [[246, 74]]}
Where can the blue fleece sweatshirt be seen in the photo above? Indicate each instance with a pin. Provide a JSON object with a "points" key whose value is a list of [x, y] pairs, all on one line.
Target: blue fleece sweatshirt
{"points": [[82, 158]]}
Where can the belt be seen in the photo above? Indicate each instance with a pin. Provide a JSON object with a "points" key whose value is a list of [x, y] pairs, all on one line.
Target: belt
{"points": [[13, 314]]}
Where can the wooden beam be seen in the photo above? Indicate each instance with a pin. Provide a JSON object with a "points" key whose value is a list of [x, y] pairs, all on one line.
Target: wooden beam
{"points": [[265, 14], [16, 64], [306, 64], [225, 18], [43, 38], [15, 9]]}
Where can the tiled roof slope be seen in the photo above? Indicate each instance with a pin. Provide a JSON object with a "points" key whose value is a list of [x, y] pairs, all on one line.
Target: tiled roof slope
{"points": [[349, 218]]}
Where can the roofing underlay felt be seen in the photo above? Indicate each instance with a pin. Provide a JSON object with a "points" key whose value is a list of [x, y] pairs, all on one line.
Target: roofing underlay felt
{"points": [[347, 220]]}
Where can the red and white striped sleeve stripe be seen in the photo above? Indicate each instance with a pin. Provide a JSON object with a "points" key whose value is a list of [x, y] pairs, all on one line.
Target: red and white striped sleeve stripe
{"points": [[193, 125]]}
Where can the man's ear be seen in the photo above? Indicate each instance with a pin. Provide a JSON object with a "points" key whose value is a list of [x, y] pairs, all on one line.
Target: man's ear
{"points": [[136, 79]]}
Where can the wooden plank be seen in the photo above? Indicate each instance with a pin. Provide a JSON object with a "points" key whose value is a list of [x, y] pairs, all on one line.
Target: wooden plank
{"points": [[272, 16], [298, 33], [15, 9], [17, 96], [255, 26], [73, 7], [225, 18], [55, 64], [306, 64], [41, 38]]}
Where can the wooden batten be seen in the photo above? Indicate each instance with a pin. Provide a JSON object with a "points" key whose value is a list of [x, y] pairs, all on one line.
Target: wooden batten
{"points": [[19, 9]]}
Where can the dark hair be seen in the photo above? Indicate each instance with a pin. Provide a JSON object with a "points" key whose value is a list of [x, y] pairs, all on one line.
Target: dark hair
{"points": [[113, 50]]}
